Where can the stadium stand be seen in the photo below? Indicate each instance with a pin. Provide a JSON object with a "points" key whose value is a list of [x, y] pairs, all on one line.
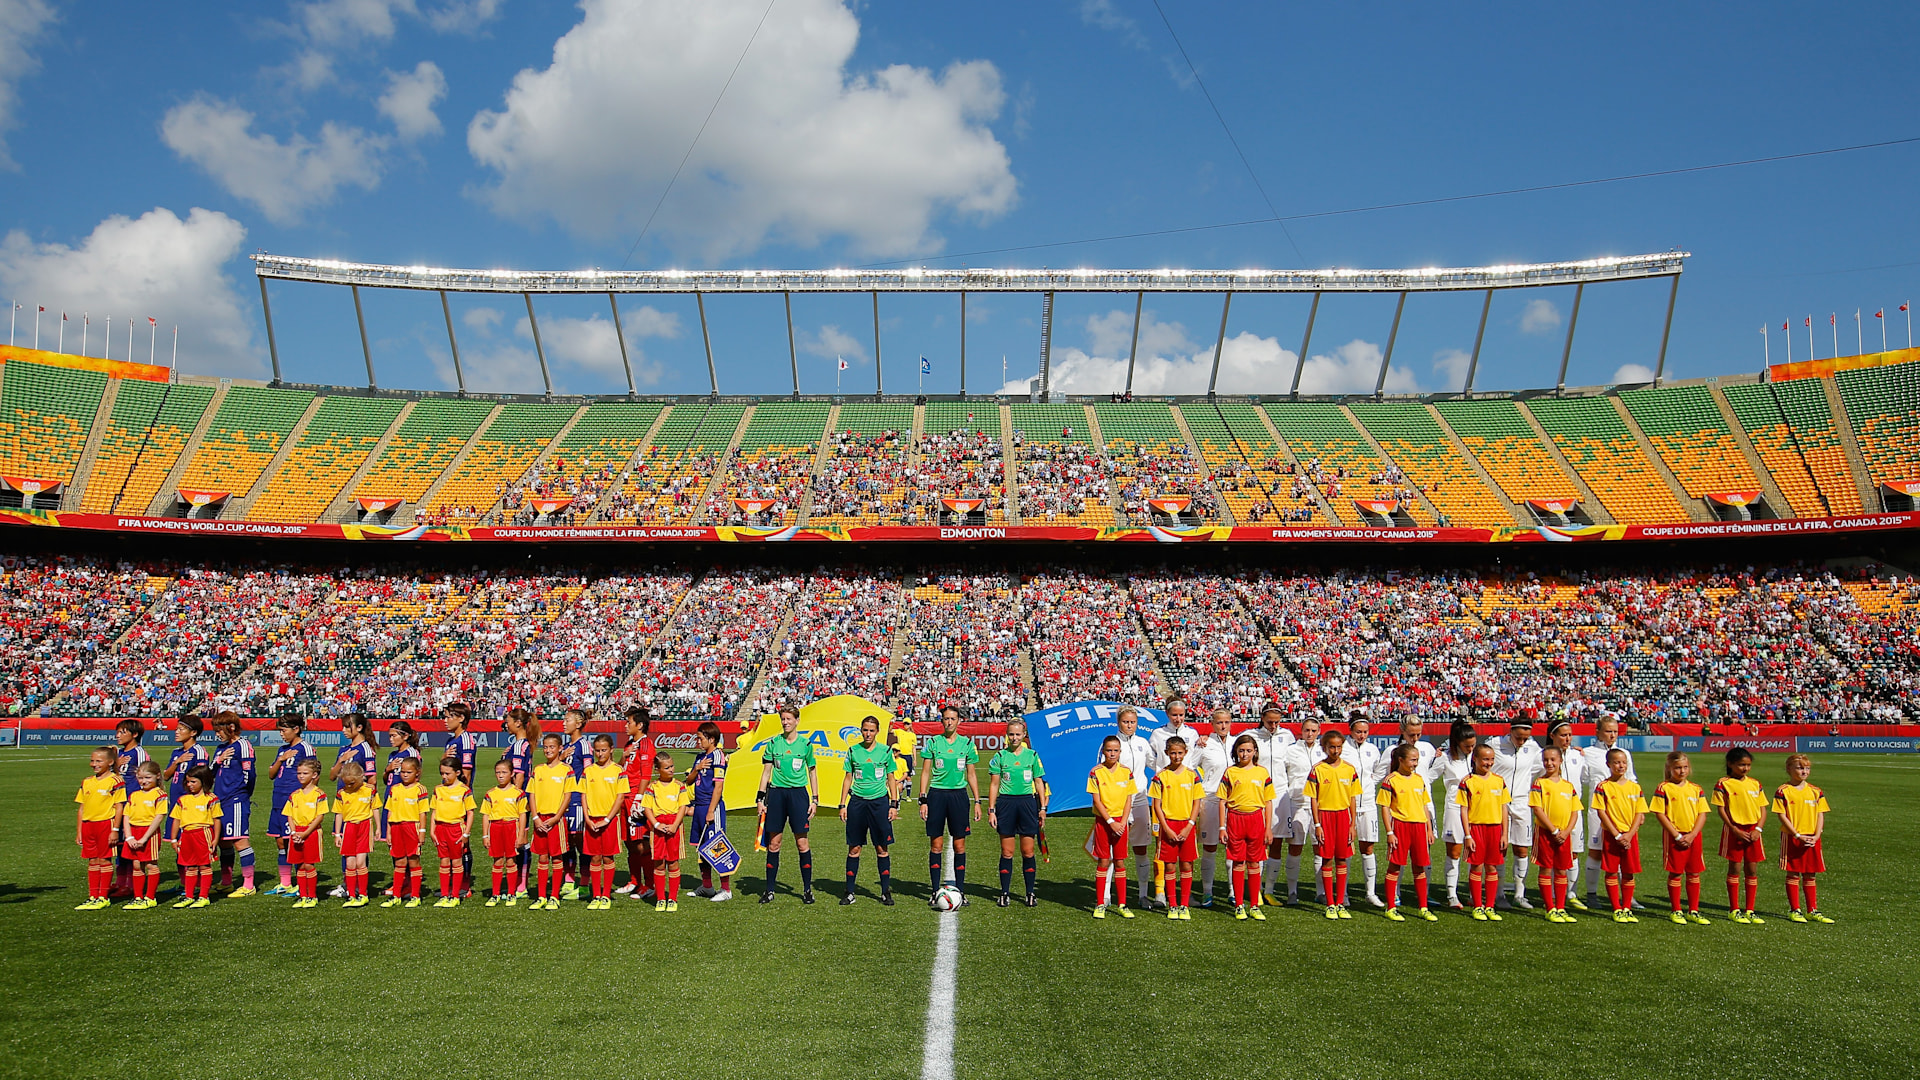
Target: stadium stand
{"points": [[1883, 404], [1603, 451], [248, 430], [1287, 489], [959, 456], [1803, 403], [962, 646], [774, 463], [1414, 440], [1229, 473], [587, 651], [666, 485], [428, 440], [1686, 429], [705, 662], [336, 441], [57, 615], [1759, 414], [1149, 457], [146, 431], [1338, 460], [1504, 443], [1062, 476], [501, 455], [1085, 639], [839, 641], [1209, 649], [864, 481], [584, 466], [45, 415]]}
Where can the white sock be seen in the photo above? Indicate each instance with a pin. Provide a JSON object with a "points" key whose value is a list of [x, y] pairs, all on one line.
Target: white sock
{"points": [[1293, 876], [1573, 876], [1593, 876], [1367, 864], [1319, 892], [1269, 877], [1106, 885], [1520, 877], [1453, 879], [1143, 865], [1206, 875]]}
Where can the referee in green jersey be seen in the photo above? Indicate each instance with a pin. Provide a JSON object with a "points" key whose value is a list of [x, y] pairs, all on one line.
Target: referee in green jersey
{"points": [[1017, 806], [871, 805], [789, 794], [949, 797]]}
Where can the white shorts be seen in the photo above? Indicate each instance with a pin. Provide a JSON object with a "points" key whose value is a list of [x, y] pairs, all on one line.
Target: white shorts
{"points": [[1210, 821], [1295, 820], [1592, 831], [1140, 826], [1453, 828], [1578, 836], [1366, 823], [1520, 828]]}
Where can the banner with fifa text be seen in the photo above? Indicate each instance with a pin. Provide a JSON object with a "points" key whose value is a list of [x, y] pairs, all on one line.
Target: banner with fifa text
{"points": [[830, 724], [1067, 738]]}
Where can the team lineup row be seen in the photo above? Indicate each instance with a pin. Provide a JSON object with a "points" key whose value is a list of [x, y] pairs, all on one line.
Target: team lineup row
{"points": [[1184, 792]]}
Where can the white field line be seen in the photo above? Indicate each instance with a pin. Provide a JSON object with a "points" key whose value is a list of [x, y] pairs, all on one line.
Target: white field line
{"points": [[936, 1057]]}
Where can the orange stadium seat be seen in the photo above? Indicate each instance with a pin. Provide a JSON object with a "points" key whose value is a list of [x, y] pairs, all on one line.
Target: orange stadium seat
{"points": [[1606, 455], [149, 427]]}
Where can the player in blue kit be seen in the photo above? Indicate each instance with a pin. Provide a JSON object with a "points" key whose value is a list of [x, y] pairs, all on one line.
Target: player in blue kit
{"points": [[285, 772], [523, 731], [357, 730], [189, 755], [464, 750], [579, 755], [708, 774], [130, 756], [233, 777]]}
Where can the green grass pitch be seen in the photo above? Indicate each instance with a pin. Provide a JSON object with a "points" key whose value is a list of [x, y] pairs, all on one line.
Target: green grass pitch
{"points": [[250, 988]]}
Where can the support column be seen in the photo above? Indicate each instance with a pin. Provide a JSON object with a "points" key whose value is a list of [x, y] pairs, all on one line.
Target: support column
{"points": [[1660, 368], [365, 351], [713, 379], [876, 344], [963, 344], [460, 376], [1393, 335], [273, 349], [620, 335], [1306, 342], [1573, 320], [1139, 301], [534, 324], [1480, 335], [1046, 345], [1219, 344], [793, 355]]}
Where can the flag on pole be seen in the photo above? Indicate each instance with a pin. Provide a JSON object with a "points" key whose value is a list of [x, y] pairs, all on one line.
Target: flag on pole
{"points": [[843, 363], [926, 366], [1881, 314]]}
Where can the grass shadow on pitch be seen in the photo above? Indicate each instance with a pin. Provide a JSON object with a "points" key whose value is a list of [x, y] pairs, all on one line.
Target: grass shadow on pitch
{"points": [[27, 894]]}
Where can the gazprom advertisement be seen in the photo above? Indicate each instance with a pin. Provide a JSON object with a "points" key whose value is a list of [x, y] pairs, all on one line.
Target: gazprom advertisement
{"points": [[1067, 738]]}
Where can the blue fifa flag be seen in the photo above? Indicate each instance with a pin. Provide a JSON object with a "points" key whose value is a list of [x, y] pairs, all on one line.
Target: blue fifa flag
{"points": [[926, 366], [718, 850], [1067, 738]]}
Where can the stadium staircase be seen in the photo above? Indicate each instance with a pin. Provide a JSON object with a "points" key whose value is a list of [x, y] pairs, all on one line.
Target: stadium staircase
{"points": [[1809, 418], [1695, 507], [635, 460], [821, 455], [338, 438], [162, 498], [1856, 461], [1012, 469], [237, 506], [1777, 499], [339, 509], [723, 464], [70, 497], [1200, 464], [752, 692], [1401, 517], [408, 513], [539, 463]]}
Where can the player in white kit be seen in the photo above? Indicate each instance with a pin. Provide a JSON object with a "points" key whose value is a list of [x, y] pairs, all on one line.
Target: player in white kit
{"points": [[1452, 767], [1176, 726], [1270, 742], [1367, 760], [1516, 760], [1209, 757], [1294, 825], [1606, 734]]}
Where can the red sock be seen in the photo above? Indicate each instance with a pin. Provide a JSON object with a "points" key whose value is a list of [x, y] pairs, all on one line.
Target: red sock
{"points": [[1753, 891], [1813, 895], [1420, 890], [1326, 883], [1673, 893], [1693, 894], [496, 882], [446, 882], [1236, 878], [660, 884], [1119, 883], [1733, 893], [1793, 894], [1186, 890], [93, 882], [1392, 896], [673, 887], [1626, 890], [1340, 886], [1613, 892], [416, 880]]}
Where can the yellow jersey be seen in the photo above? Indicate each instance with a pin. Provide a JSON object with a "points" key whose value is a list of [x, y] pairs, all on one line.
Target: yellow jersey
{"points": [[1405, 796], [406, 802], [1484, 797], [1333, 786], [1684, 804], [304, 807], [356, 806], [451, 803], [1744, 800], [600, 788], [900, 737], [1619, 802], [548, 787], [145, 806], [193, 811], [503, 804], [1557, 800], [1801, 805], [100, 797], [1177, 791], [1246, 788], [1111, 788], [665, 798]]}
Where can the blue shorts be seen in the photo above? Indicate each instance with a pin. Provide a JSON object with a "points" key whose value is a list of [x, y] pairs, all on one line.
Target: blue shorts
{"points": [[1017, 815], [786, 806], [699, 817], [867, 820], [277, 826], [236, 817], [576, 819], [947, 813]]}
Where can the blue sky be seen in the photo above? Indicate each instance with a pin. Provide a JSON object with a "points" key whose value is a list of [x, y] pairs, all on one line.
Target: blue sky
{"points": [[149, 151]]}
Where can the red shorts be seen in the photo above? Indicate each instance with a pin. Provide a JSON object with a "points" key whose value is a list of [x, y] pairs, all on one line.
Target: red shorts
{"points": [[147, 852], [1797, 858], [195, 847], [1109, 843], [1691, 859], [1551, 854], [551, 842], [96, 839], [503, 838], [665, 846], [403, 839], [356, 838], [1620, 856], [1246, 836], [1487, 849], [304, 852], [1412, 844], [601, 842], [446, 838], [1179, 851], [1734, 849], [1336, 835]]}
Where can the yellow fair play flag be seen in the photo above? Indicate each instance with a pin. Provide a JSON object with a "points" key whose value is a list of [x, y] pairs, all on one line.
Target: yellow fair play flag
{"points": [[831, 724]]}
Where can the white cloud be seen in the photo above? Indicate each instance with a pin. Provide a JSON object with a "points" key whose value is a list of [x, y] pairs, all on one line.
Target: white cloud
{"points": [[1539, 317], [800, 149], [464, 16], [1633, 373], [1101, 13], [21, 24], [483, 319], [495, 363], [410, 98], [282, 179], [155, 265], [831, 341], [345, 22], [1451, 366]]}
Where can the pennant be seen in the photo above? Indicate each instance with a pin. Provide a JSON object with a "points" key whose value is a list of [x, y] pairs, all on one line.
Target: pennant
{"points": [[31, 486], [1559, 505], [1382, 507], [753, 506], [373, 504], [198, 497], [926, 366], [1734, 498], [843, 363], [718, 850], [1172, 505], [1904, 487], [549, 504], [963, 506]]}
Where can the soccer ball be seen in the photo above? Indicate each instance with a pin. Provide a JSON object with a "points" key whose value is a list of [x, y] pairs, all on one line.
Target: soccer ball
{"points": [[946, 898]]}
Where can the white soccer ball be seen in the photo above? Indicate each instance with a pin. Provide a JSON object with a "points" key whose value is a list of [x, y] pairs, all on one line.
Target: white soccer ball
{"points": [[946, 898]]}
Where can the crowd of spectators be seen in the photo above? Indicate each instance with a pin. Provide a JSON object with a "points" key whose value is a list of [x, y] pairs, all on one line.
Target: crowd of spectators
{"points": [[704, 663], [1058, 481], [778, 479], [663, 489], [1085, 639], [1139, 476], [864, 479], [583, 483], [966, 464], [1208, 649], [56, 615], [962, 647], [840, 640]]}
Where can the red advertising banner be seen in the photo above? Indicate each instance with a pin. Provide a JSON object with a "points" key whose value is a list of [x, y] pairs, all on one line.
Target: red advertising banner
{"points": [[373, 504], [201, 497], [1904, 487], [27, 485], [1734, 498], [1381, 507], [1554, 506]]}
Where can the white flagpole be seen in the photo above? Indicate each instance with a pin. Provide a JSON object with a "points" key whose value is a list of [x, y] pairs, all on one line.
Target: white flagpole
{"points": [[61, 346], [1809, 337], [1833, 323], [1766, 347], [1881, 318], [1787, 332], [176, 345], [1908, 308], [1859, 332], [153, 335], [839, 365], [13, 321], [129, 340], [37, 309], [86, 324]]}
